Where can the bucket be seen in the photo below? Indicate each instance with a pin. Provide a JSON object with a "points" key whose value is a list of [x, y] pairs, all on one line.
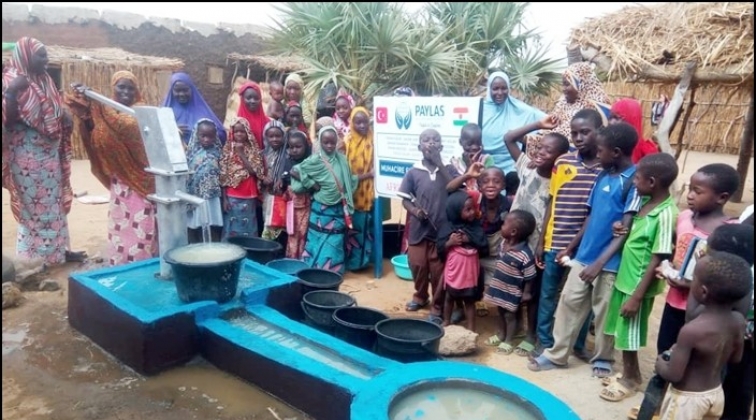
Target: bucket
{"points": [[313, 279], [356, 325], [288, 265], [258, 250], [408, 340], [206, 271], [318, 307], [392, 239]]}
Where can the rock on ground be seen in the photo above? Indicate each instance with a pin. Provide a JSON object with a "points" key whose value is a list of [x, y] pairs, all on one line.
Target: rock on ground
{"points": [[9, 269], [12, 295], [457, 341], [49, 285]]}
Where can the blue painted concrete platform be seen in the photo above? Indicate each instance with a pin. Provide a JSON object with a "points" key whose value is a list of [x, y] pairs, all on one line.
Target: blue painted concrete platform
{"points": [[257, 336]]}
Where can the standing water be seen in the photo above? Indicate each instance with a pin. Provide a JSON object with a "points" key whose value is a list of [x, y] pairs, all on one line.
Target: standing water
{"points": [[458, 403]]}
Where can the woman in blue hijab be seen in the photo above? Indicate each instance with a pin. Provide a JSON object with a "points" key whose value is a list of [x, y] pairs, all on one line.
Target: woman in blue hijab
{"points": [[189, 106], [502, 113]]}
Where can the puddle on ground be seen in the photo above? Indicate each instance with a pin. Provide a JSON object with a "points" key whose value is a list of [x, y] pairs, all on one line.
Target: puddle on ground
{"points": [[200, 383], [304, 347], [13, 339]]}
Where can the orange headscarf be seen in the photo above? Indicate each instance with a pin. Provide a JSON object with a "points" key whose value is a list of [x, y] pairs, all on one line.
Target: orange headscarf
{"points": [[116, 148]]}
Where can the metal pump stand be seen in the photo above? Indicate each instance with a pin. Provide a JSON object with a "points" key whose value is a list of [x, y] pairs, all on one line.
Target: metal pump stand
{"points": [[167, 160]]}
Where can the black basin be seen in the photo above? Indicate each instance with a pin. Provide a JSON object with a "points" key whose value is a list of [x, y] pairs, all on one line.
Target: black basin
{"points": [[206, 271], [408, 340], [313, 279], [258, 250]]}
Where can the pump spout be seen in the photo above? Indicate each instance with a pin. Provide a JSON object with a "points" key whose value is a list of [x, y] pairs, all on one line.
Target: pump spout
{"points": [[191, 199]]}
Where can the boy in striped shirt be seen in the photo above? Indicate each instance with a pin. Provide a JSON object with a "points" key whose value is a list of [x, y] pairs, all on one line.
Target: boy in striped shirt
{"points": [[650, 241]]}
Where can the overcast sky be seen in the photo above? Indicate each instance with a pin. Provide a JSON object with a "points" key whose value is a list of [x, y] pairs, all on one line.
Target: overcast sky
{"points": [[553, 20]]}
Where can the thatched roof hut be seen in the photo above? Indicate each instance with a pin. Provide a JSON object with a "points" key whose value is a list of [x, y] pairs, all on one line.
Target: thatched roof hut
{"points": [[704, 50], [264, 67], [94, 68]]}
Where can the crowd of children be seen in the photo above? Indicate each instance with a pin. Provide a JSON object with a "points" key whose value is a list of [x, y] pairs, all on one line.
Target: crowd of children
{"points": [[590, 237], [581, 233]]}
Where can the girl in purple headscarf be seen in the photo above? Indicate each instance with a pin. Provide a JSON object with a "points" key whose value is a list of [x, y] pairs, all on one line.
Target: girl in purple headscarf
{"points": [[189, 106]]}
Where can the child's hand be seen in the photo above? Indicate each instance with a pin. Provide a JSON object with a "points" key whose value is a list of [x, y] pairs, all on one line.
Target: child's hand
{"points": [[589, 273], [630, 308], [475, 170], [539, 256], [455, 239], [420, 213], [316, 187], [618, 229], [560, 256], [548, 122], [226, 205], [678, 283], [463, 237], [526, 297]]}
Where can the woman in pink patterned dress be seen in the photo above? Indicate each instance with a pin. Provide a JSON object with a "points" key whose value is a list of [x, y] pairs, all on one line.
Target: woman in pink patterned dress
{"points": [[117, 158], [36, 167]]}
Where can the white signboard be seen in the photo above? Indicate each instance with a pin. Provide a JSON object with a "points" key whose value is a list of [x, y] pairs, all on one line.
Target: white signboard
{"points": [[398, 122]]}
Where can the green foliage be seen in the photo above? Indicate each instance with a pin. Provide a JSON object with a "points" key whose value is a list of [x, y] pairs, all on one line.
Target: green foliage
{"points": [[446, 48]]}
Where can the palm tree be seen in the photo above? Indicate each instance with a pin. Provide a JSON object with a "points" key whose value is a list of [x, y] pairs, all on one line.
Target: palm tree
{"points": [[445, 48]]}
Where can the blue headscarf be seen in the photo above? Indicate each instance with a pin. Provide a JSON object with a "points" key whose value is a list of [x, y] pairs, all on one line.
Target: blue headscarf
{"points": [[196, 109], [205, 163], [498, 119]]}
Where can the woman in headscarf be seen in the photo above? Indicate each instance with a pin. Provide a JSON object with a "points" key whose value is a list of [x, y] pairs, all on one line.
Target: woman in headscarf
{"points": [[276, 164], [189, 106], [630, 111], [359, 148], [241, 169], [251, 109], [581, 89], [328, 176], [294, 91], [203, 159], [502, 113], [117, 158], [343, 114], [36, 147]]}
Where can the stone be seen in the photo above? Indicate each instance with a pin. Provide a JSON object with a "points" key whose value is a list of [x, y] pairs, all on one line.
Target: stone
{"points": [[9, 269], [457, 341], [29, 273], [49, 285], [12, 295]]}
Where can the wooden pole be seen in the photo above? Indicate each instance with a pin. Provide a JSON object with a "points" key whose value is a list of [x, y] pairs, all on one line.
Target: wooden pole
{"points": [[746, 148], [684, 126], [667, 123]]}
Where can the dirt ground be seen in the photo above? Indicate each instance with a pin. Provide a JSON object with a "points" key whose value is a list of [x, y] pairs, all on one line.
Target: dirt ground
{"points": [[50, 371]]}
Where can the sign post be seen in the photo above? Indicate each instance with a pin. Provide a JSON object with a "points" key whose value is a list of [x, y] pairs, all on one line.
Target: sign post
{"points": [[398, 122]]}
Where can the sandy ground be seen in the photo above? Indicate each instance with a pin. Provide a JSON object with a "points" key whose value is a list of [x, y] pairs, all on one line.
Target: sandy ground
{"points": [[50, 371]]}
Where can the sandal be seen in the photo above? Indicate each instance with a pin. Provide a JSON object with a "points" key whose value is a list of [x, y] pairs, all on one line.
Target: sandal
{"points": [[609, 379], [505, 348], [616, 392], [76, 256], [493, 341], [602, 369], [413, 306], [524, 348], [480, 309], [541, 363]]}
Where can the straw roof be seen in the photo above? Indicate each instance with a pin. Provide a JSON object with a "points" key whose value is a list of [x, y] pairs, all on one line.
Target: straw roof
{"points": [[280, 63], [62, 55], [655, 41]]}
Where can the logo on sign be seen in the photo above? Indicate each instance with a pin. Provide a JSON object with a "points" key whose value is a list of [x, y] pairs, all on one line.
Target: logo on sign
{"points": [[381, 115], [403, 115]]}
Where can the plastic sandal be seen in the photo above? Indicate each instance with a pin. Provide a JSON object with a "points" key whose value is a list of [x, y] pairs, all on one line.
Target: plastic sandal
{"points": [[616, 392], [524, 348], [493, 341], [609, 379], [541, 363], [414, 306], [505, 348], [602, 369]]}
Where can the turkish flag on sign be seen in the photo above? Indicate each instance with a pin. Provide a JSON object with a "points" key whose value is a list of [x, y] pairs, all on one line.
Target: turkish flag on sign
{"points": [[381, 115]]}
